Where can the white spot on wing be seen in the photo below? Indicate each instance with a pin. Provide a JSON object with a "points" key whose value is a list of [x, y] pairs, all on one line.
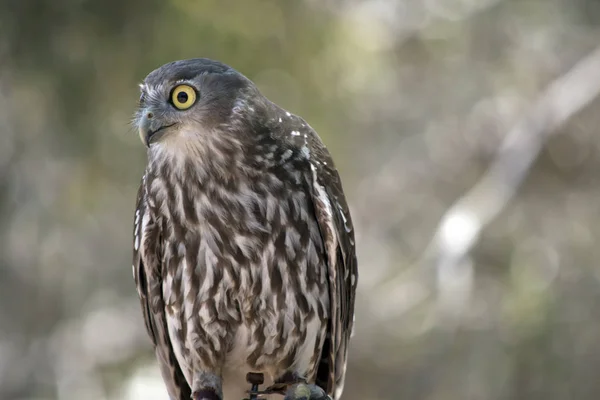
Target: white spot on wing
{"points": [[322, 195], [343, 215], [306, 152], [341, 212]]}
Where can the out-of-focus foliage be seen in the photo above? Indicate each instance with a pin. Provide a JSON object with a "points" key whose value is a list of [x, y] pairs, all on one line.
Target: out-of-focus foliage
{"points": [[413, 98]]}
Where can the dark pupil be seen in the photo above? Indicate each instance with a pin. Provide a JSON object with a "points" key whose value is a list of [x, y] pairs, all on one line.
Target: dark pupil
{"points": [[182, 97]]}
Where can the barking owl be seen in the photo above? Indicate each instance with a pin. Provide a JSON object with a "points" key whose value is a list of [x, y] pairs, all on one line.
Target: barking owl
{"points": [[244, 256]]}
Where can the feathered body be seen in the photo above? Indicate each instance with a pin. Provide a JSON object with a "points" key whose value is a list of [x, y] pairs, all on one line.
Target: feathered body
{"points": [[243, 245]]}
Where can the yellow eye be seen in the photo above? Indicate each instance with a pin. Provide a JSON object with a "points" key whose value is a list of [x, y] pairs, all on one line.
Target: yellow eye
{"points": [[183, 97]]}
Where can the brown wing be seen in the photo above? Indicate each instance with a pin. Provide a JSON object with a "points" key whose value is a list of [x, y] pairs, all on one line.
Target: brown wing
{"points": [[336, 227], [147, 236]]}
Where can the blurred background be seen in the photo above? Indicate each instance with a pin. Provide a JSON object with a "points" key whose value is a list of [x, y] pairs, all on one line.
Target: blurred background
{"points": [[492, 298]]}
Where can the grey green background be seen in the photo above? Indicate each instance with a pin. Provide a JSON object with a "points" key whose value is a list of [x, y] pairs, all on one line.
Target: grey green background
{"points": [[412, 97]]}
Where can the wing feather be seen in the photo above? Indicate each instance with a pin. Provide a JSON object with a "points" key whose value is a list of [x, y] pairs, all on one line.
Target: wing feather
{"points": [[333, 216], [147, 264]]}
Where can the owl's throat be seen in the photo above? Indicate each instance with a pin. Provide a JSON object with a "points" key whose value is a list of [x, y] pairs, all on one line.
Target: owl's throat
{"points": [[196, 155]]}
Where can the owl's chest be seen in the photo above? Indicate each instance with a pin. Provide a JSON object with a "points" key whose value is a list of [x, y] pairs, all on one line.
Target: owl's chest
{"points": [[240, 265], [249, 246]]}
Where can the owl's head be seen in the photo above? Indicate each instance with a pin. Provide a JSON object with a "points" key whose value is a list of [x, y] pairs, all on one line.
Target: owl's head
{"points": [[187, 97]]}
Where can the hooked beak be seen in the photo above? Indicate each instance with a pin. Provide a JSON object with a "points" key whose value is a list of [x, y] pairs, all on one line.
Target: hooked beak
{"points": [[150, 129]]}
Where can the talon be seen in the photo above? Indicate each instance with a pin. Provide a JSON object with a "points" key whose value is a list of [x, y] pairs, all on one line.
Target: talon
{"points": [[205, 394], [277, 388], [255, 378], [306, 391]]}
